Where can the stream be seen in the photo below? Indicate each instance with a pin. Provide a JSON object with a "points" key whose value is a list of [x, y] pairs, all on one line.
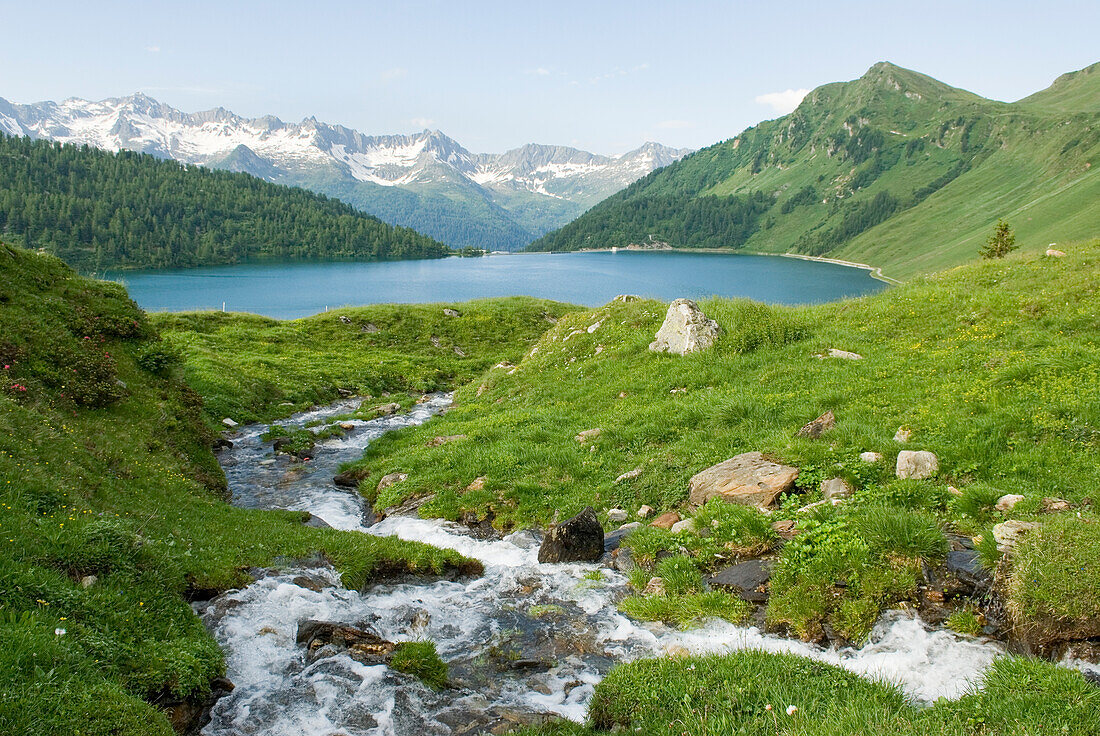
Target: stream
{"points": [[510, 665]]}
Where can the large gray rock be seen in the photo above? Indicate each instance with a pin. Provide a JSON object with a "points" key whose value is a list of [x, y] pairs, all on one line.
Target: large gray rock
{"points": [[748, 580], [917, 464], [579, 539], [685, 330], [747, 479]]}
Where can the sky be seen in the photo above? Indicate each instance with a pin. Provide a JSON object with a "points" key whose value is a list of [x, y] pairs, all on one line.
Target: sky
{"points": [[601, 76]]}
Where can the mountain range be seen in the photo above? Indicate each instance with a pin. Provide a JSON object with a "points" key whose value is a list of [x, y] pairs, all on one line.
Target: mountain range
{"points": [[426, 181], [895, 168]]}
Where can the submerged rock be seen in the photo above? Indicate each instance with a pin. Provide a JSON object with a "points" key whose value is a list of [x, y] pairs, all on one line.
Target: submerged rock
{"points": [[685, 330], [748, 479], [579, 539]]}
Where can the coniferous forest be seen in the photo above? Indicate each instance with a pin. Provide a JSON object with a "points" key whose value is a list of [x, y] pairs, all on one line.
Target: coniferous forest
{"points": [[99, 210]]}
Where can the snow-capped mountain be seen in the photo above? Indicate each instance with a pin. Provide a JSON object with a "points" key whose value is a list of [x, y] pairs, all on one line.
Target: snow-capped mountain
{"points": [[425, 180]]}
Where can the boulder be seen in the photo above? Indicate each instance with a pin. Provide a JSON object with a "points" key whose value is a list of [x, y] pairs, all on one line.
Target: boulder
{"points": [[686, 525], [1008, 501], [1007, 534], [685, 330], [748, 479], [588, 434], [361, 645], [629, 475], [665, 520], [871, 457], [579, 539], [616, 516], [818, 427], [835, 488], [917, 464], [748, 580], [389, 479]]}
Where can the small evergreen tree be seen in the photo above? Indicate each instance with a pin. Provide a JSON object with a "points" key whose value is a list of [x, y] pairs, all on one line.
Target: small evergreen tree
{"points": [[1001, 242]]}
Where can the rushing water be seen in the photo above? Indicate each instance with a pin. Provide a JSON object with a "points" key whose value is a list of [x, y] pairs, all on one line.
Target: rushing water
{"points": [[508, 665], [288, 290]]}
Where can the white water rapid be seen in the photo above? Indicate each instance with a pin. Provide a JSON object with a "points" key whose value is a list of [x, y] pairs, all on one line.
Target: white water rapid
{"points": [[508, 664]]}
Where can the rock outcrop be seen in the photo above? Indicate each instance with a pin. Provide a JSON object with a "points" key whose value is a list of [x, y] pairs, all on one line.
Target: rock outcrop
{"points": [[685, 330], [748, 479], [579, 539]]}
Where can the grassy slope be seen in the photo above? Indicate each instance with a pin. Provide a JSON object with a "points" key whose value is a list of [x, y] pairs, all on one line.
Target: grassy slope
{"points": [[97, 478], [892, 131], [253, 368]]}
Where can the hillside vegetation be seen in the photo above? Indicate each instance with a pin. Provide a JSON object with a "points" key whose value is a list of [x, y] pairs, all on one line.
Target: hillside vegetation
{"points": [[99, 210], [112, 515], [895, 169]]}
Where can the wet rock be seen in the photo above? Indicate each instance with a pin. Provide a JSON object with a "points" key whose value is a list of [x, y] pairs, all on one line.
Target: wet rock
{"points": [[1092, 676], [452, 313], [748, 479], [1008, 501], [629, 475], [685, 330], [665, 520], [835, 488], [1053, 505], [622, 559], [813, 430], [314, 584], [347, 479], [917, 464], [524, 539], [480, 527], [871, 457], [188, 717], [588, 434], [221, 443], [347, 426], [321, 637], [444, 439], [616, 516], [390, 479], [579, 539], [748, 580], [1007, 534], [966, 566]]}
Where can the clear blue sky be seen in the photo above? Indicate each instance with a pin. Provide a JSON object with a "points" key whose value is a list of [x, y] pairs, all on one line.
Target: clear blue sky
{"points": [[604, 76]]}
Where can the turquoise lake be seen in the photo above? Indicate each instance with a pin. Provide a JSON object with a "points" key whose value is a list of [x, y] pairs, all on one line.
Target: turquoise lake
{"points": [[289, 290]]}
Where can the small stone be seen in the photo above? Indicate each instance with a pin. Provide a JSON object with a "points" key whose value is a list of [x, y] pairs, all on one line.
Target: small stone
{"points": [[644, 511], [229, 423], [685, 525], [1008, 501], [665, 520], [452, 313], [785, 528], [844, 354], [811, 506], [835, 488], [630, 475], [616, 516], [593, 327], [627, 298], [816, 428], [871, 457], [622, 394], [345, 319], [1051, 505], [588, 434], [917, 464], [655, 586], [904, 434], [1007, 534], [442, 440], [1055, 253], [347, 426], [390, 479], [88, 581], [954, 491], [476, 484]]}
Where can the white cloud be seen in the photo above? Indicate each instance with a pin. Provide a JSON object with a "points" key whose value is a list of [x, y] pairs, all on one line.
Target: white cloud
{"points": [[782, 102], [153, 49], [422, 123], [675, 124]]}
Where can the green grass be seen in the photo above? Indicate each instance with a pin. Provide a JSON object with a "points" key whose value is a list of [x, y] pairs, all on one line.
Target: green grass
{"points": [[686, 610], [748, 694], [993, 366], [253, 368], [105, 471], [419, 658]]}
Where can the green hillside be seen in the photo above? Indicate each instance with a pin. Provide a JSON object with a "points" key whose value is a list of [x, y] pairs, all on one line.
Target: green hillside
{"points": [[895, 169], [98, 210]]}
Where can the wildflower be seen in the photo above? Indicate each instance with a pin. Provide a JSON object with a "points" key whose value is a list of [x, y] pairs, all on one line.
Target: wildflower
{"points": [[768, 706], [792, 709], [59, 632]]}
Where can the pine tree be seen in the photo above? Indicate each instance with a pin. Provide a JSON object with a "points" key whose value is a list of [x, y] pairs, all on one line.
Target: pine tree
{"points": [[1001, 242]]}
